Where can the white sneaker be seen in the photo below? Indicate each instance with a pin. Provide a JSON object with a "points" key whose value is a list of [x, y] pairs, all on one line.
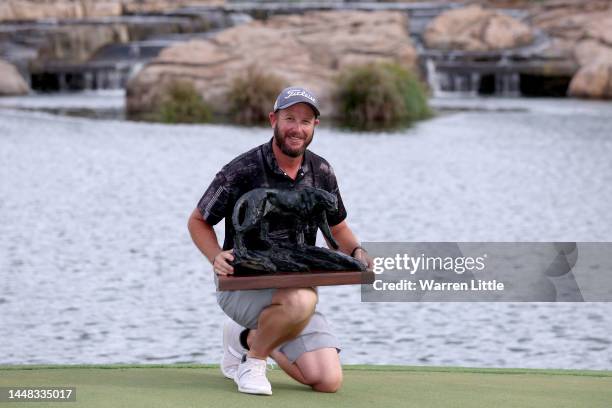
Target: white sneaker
{"points": [[232, 349], [251, 377]]}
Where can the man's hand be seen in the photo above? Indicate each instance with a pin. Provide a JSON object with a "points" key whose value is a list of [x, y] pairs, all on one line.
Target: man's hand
{"points": [[361, 255], [221, 263]]}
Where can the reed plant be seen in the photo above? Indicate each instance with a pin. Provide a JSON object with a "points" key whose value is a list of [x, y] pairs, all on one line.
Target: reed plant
{"points": [[250, 95], [182, 103], [379, 96]]}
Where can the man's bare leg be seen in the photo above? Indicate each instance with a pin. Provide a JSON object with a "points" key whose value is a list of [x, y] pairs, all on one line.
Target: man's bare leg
{"points": [[287, 315], [320, 369], [287, 366], [283, 320]]}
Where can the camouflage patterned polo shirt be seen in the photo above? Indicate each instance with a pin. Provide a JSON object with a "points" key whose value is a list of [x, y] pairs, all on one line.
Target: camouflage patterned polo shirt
{"points": [[258, 168]]}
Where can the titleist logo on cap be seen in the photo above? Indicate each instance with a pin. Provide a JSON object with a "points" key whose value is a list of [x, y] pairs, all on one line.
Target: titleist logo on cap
{"points": [[291, 93]]}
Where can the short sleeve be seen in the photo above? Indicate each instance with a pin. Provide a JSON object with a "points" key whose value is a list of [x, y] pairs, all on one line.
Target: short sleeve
{"points": [[338, 217], [213, 204]]}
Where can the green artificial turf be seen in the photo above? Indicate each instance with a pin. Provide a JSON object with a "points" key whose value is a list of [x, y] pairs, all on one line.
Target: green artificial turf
{"points": [[203, 386]]}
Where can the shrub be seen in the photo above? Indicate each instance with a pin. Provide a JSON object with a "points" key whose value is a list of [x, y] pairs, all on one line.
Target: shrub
{"points": [[250, 96], [182, 103], [381, 95]]}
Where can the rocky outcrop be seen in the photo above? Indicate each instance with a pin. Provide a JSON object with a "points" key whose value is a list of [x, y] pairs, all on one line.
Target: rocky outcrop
{"points": [[11, 81], [148, 6], [16, 10], [590, 50], [306, 49], [568, 19], [474, 28], [77, 43], [593, 81], [581, 31], [59, 9], [579, 37]]}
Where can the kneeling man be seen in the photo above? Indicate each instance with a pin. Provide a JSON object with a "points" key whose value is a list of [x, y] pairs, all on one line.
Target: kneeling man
{"points": [[279, 323]]}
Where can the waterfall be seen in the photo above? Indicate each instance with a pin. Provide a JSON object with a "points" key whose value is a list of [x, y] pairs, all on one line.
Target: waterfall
{"points": [[507, 84], [432, 77], [444, 82], [134, 69]]}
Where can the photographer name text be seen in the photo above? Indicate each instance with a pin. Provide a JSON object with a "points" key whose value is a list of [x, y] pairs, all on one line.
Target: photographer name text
{"points": [[476, 285]]}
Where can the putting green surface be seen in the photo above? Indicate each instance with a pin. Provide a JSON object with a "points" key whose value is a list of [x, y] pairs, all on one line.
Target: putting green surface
{"points": [[203, 386]]}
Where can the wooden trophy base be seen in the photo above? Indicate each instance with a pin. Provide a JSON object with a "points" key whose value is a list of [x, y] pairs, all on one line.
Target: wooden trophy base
{"points": [[294, 280]]}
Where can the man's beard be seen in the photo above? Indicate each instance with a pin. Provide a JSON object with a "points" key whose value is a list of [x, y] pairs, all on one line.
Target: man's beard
{"points": [[280, 141]]}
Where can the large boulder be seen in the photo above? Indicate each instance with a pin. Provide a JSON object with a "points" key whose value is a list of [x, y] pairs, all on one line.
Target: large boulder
{"points": [[306, 50], [11, 81], [569, 19], [11, 10], [593, 81], [59, 9], [581, 31], [590, 51], [474, 28], [574, 26]]}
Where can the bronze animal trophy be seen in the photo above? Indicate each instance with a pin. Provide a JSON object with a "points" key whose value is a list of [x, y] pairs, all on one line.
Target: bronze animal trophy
{"points": [[255, 252]]}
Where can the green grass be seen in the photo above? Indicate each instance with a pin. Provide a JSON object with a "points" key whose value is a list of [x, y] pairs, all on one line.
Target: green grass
{"points": [[190, 385]]}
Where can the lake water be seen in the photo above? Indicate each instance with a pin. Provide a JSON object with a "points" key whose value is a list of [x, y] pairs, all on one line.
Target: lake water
{"points": [[97, 266]]}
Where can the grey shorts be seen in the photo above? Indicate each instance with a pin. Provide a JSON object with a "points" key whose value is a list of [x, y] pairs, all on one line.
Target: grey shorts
{"points": [[244, 307]]}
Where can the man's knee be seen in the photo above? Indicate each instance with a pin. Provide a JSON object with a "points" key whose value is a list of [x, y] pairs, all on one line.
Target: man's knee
{"points": [[321, 369], [298, 301], [329, 383]]}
